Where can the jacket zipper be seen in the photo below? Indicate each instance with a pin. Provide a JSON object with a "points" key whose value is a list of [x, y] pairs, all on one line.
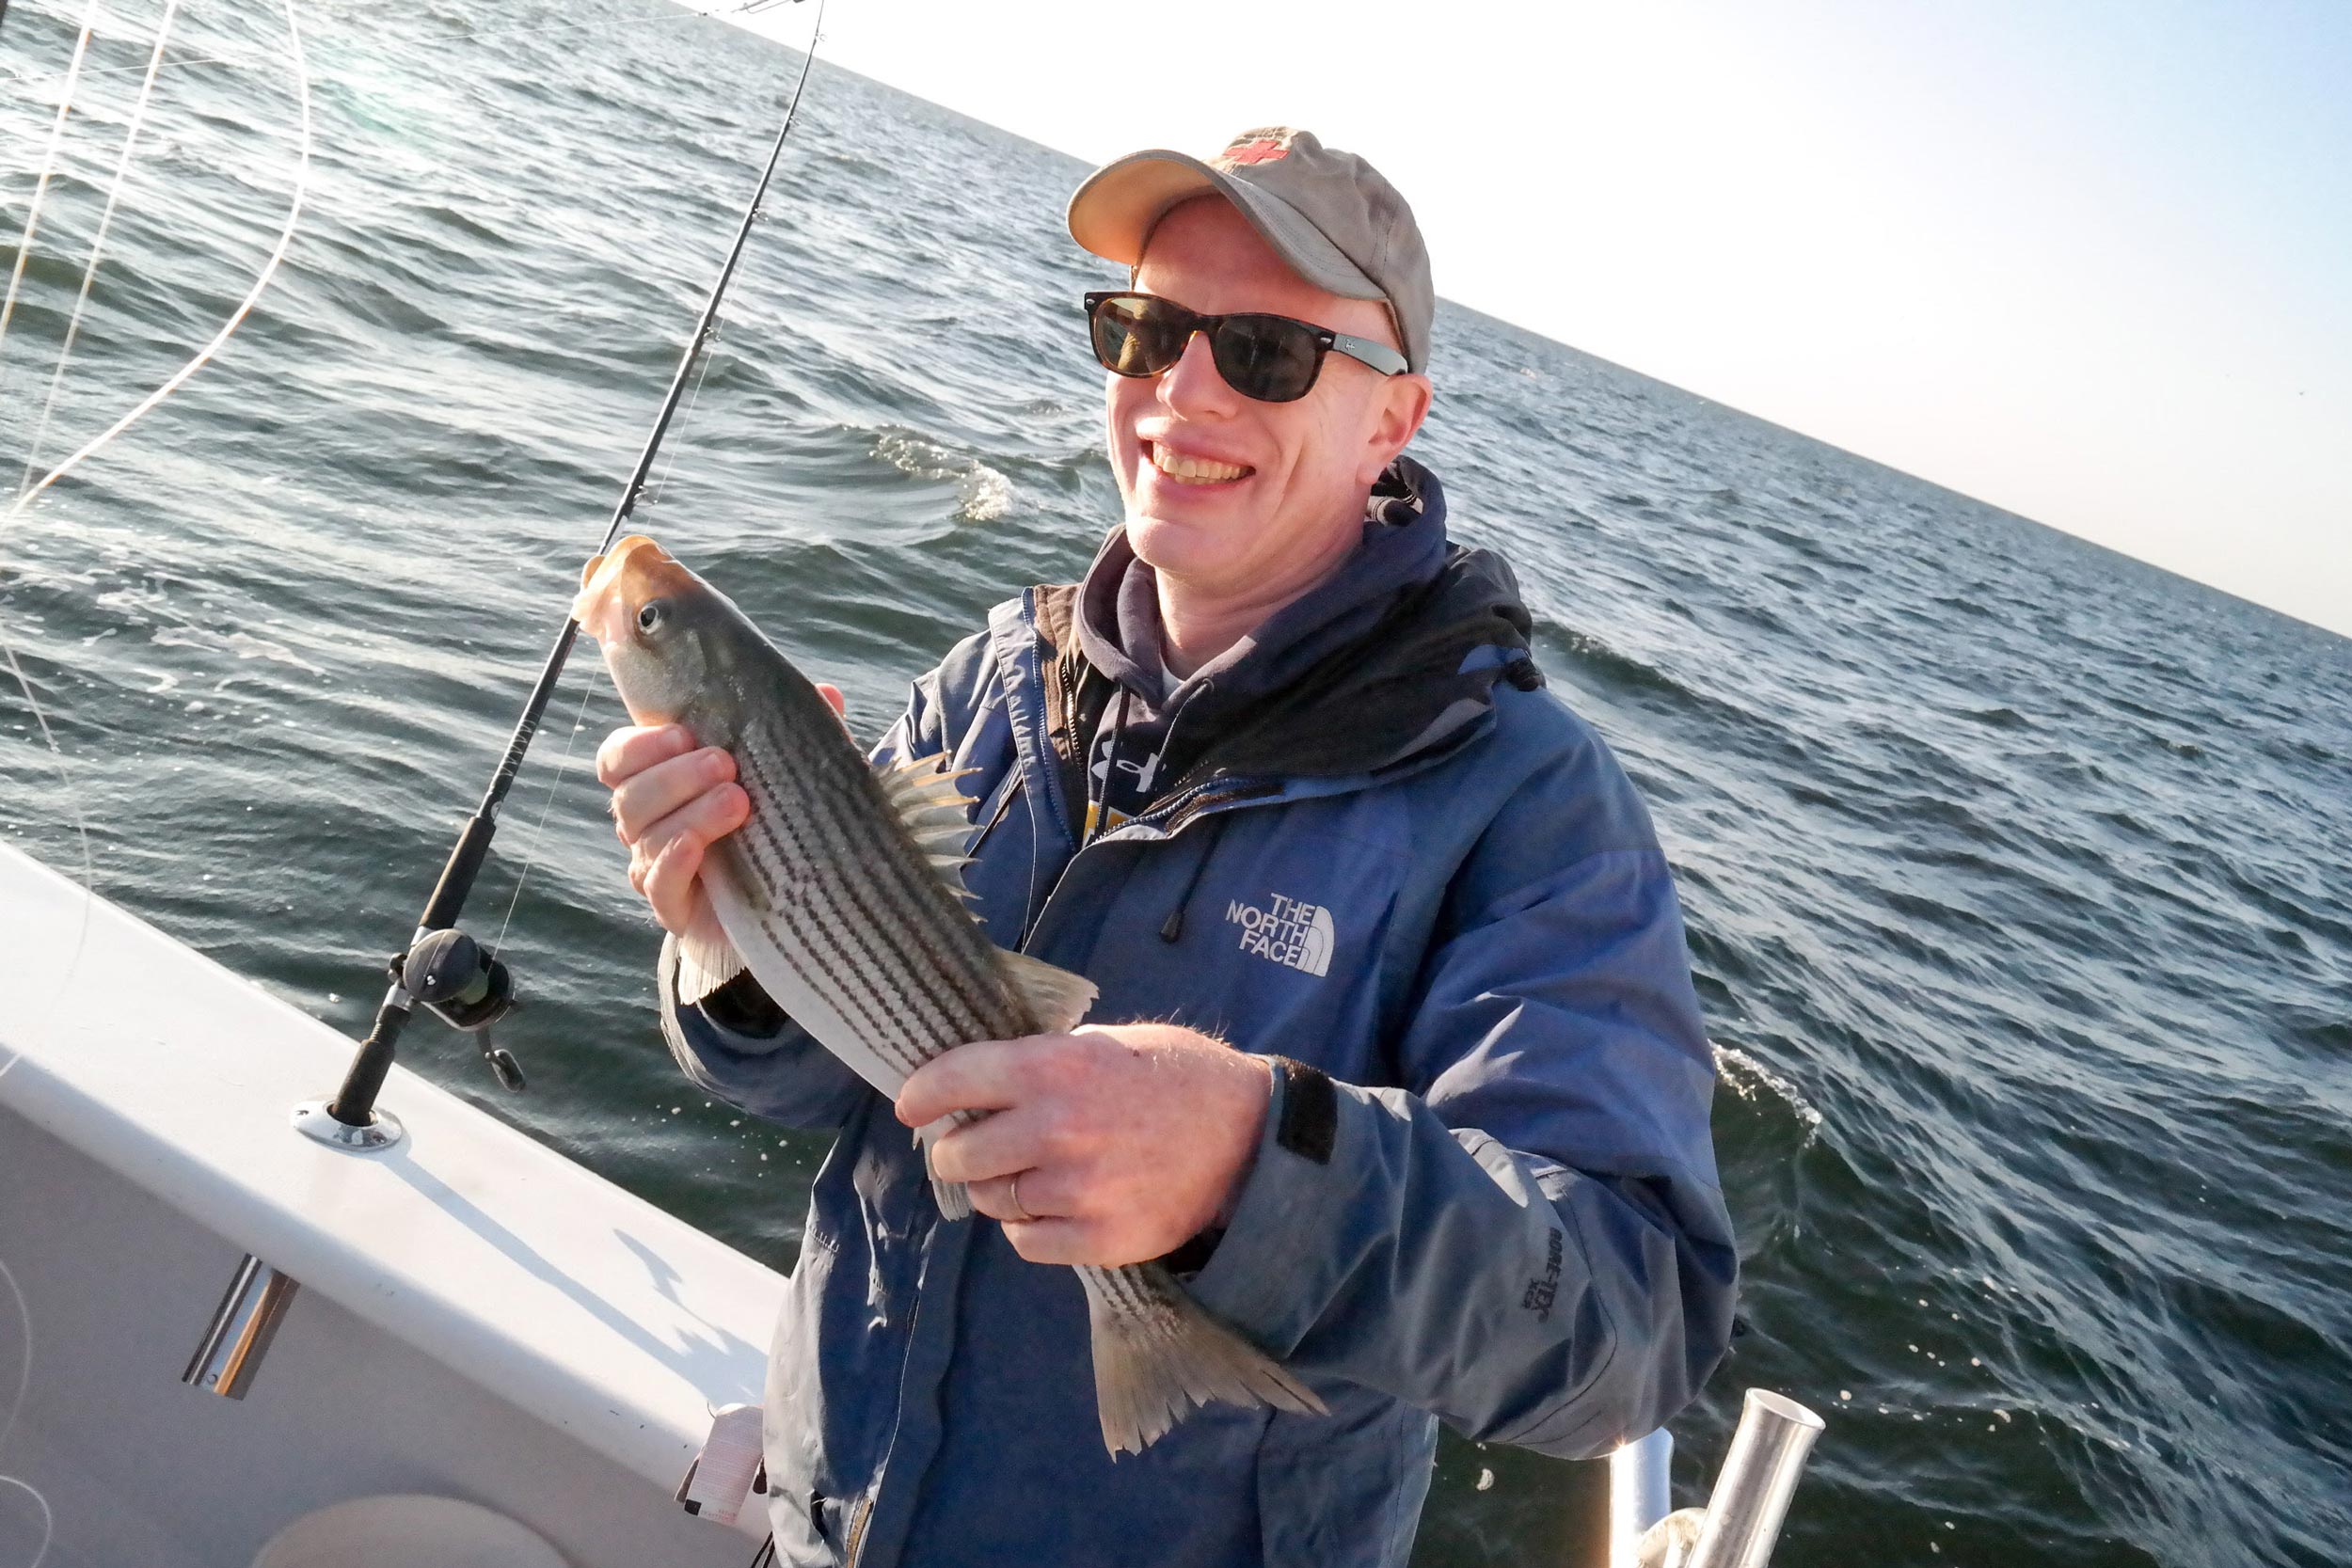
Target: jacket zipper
{"points": [[1193, 802], [856, 1539]]}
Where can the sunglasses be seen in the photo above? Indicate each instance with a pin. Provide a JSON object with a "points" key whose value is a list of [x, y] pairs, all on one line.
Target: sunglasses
{"points": [[1271, 358]]}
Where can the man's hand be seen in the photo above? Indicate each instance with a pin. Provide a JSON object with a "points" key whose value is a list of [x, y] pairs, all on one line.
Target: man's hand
{"points": [[1127, 1139], [670, 801]]}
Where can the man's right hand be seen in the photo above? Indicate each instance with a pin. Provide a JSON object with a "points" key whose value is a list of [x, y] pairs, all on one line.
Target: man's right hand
{"points": [[670, 801]]}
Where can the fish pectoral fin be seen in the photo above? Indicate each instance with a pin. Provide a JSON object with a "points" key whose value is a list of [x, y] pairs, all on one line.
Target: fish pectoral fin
{"points": [[1055, 997], [706, 959]]}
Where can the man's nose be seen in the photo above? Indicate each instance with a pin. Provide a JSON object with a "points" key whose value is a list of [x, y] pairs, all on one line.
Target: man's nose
{"points": [[1192, 385]]}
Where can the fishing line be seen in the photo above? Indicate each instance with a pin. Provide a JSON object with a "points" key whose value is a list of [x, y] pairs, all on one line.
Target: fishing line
{"points": [[652, 501], [244, 307], [677, 12], [686, 421], [48, 1520], [25, 1364], [467, 990], [8, 649], [531, 850], [179, 378], [98, 244], [596, 679], [16, 1406], [48, 166]]}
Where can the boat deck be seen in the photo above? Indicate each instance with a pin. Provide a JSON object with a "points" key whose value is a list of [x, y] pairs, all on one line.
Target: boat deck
{"points": [[479, 1317]]}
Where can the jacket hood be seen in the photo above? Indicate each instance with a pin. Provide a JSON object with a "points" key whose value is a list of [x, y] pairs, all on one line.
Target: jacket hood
{"points": [[1394, 655], [1402, 547]]}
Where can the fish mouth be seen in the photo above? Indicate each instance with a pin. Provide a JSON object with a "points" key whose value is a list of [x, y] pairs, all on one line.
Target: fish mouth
{"points": [[601, 606]]}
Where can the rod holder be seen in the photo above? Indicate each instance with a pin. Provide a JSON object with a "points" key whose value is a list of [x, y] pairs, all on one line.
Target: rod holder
{"points": [[241, 1330], [1638, 1494], [1759, 1475], [315, 1118]]}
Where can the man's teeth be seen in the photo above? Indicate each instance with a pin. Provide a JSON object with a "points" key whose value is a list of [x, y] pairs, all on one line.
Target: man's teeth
{"points": [[1193, 470]]}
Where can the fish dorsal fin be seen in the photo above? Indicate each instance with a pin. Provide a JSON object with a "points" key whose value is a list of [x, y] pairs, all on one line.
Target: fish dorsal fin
{"points": [[1055, 998], [935, 814]]}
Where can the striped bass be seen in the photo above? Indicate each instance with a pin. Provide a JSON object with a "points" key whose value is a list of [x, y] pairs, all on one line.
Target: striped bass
{"points": [[842, 895]]}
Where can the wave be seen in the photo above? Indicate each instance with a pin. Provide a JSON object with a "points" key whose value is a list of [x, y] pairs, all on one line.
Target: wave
{"points": [[1751, 1079]]}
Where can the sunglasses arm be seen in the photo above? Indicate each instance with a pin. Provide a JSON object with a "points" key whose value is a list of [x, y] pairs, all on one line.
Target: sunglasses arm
{"points": [[1380, 357]]}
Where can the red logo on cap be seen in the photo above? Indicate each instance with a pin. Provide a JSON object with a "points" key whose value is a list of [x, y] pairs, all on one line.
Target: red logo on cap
{"points": [[1263, 150]]}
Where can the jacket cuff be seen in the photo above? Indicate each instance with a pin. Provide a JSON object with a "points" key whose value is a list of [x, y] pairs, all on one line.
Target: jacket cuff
{"points": [[1292, 1204]]}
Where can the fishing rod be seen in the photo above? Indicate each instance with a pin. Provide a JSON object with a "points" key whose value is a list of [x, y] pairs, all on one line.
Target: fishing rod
{"points": [[442, 969]]}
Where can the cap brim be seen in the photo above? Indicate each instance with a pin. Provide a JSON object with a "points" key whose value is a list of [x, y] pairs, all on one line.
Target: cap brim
{"points": [[1113, 212]]}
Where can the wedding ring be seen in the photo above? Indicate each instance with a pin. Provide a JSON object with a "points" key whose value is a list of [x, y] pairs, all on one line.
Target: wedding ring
{"points": [[1012, 1191]]}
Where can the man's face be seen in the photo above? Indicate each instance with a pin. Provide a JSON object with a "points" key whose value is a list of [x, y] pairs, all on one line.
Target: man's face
{"points": [[1265, 498]]}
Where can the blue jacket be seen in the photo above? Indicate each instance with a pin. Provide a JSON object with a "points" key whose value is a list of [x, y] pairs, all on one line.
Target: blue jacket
{"points": [[1495, 1205]]}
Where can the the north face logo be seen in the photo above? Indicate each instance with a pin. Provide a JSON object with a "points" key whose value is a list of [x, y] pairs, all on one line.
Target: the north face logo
{"points": [[1289, 932]]}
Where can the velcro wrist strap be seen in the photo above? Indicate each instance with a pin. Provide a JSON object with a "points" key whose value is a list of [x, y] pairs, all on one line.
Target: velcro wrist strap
{"points": [[1309, 1124]]}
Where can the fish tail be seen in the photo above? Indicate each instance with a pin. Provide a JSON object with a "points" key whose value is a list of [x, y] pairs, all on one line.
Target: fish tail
{"points": [[1158, 1353]]}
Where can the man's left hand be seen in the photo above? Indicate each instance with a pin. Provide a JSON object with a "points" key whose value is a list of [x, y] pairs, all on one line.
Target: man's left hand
{"points": [[1127, 1140]]}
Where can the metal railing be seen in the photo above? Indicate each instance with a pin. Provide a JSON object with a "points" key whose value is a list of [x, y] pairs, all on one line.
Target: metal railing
{"points": [[1743, 1517]]}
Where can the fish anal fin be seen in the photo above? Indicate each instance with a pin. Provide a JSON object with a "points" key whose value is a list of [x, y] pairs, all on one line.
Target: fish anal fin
{"points": [[706, 959], [1055, 998]]}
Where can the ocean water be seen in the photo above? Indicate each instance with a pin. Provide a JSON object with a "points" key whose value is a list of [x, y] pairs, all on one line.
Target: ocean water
{"points": [[2019, 875]]}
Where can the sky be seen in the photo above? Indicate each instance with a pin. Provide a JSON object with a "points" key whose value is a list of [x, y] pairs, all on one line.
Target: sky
{"points": [[2089, 261]]}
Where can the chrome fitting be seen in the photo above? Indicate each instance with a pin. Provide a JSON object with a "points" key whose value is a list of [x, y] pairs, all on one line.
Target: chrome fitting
{"points": [[241, 1330], [312, 1119]]}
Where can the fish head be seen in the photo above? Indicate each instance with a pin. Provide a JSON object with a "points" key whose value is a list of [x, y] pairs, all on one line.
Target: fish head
{"points": [[652, 616]]}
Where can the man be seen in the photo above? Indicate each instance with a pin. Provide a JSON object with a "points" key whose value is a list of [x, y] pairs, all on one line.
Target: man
{"points": [[1279, 776]]}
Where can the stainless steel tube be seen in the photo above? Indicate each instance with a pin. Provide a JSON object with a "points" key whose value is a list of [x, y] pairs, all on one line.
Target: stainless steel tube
{"points": [[1752, 1492], [1637, 1496], [239, 1335]]}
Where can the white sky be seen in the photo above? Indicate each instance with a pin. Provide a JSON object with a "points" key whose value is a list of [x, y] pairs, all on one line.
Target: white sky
{"points": [[2089, 261]]}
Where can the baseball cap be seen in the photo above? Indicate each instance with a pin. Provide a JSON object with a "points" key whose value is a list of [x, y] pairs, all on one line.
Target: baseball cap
{"points": [[1330, 215]]}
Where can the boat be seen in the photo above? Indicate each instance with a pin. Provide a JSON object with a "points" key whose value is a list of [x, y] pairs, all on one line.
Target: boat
{"points": [[225, 1340], [213, 1327]]}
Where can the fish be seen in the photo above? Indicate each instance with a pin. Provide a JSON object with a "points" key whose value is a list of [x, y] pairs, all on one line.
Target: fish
{"points": [[842, 895]]}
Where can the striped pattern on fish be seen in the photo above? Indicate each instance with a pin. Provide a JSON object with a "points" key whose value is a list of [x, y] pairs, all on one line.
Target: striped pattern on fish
{"points": [[841, 895]]}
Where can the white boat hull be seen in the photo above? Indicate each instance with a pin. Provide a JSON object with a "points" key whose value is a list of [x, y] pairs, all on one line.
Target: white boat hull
{"points": [[479, 1317]]}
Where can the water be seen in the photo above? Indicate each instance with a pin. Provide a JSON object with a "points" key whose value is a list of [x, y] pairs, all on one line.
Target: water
{"points": [[2016, 871]]}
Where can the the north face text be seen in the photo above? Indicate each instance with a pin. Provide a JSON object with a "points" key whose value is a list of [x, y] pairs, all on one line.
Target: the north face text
{"points": [[1296, 935]]}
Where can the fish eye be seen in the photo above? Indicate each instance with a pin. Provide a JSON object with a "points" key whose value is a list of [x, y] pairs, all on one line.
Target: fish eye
{"points": [[651, 617]]}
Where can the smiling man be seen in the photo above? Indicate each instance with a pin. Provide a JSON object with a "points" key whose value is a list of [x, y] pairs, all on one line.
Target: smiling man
{"points": [[1422, 1106]]}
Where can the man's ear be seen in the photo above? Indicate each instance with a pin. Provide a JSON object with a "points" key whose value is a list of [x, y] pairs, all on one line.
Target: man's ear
{"points": [[1404, 404]]}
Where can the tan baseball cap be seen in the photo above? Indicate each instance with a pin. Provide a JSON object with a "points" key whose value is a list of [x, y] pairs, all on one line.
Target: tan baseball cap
{"points": [[1332, 216]]}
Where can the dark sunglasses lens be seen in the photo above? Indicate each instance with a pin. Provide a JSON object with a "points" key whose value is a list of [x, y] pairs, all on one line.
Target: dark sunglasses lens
{"points": [[1139, 337], [1268, 357]]}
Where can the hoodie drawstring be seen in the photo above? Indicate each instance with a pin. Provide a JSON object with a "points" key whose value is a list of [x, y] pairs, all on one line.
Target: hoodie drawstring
{"points": [[1099, 802], [1173, 927]]}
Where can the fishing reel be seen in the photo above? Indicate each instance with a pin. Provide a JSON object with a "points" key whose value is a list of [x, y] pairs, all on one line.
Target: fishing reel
{"points": [[466, 989]]}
